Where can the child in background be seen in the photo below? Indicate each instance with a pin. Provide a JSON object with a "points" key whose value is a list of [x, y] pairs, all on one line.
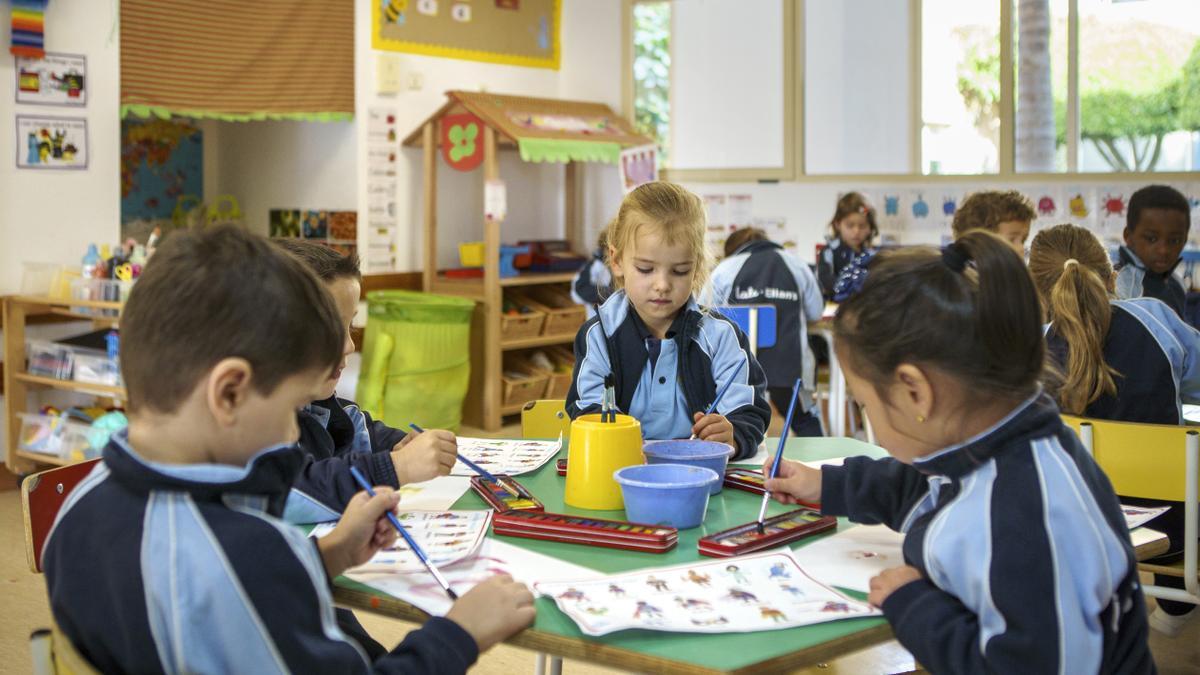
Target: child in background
{"points": [[668, 356], [593, 283], [758, 271], [1126, 360], [1017, 554], [1008, 214], [853, 229], [171, 554], [1156, 230], [336, 434]]}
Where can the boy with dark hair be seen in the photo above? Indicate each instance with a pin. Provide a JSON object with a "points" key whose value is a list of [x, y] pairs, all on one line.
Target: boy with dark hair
{"points": [[170, 556], [1008, 214], [1156, 230], [336, 433]]}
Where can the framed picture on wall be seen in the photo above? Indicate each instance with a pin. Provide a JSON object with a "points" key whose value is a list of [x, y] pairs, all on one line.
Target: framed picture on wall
{"points": [[55, 79], [45, 142]]}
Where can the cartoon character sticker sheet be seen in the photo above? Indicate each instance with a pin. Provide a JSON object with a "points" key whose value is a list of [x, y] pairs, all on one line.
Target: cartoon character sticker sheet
{"points": [[46, 142], [750, 593], [445, 536], [508, 457]]}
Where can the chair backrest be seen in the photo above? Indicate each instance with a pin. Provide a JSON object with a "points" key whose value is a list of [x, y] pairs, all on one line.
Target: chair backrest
{"points": [[760, 323], [42, 495], [545, 418], [1141, 460]]}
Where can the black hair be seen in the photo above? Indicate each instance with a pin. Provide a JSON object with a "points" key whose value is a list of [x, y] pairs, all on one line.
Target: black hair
{"points": [[325, 262], [1155, 197]]}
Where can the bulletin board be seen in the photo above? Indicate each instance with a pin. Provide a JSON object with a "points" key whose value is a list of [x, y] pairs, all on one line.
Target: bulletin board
{"points": [[513, 32]]}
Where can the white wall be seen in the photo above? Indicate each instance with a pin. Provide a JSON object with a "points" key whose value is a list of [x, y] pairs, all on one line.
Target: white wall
{"points": [[52, 216]]}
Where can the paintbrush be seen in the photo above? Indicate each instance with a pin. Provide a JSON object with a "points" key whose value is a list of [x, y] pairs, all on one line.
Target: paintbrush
{"points": [[608, 405], [713, 407], [787, 426], [412, 543], [476, 468]]}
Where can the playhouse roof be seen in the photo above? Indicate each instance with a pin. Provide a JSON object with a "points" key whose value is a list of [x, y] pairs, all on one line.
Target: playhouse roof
{"points": [[545, 129]]}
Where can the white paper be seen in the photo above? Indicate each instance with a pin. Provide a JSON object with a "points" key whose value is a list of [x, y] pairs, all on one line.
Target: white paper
{"points": [[504, 456], [1136, 516], [848, 559], [438, 494], [1144, 535], [494, 557], [766, 591], [446, 537], [495, 200]]}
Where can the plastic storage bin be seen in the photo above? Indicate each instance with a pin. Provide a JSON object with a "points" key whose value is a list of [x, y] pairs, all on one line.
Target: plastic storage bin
{"points": [[50, 435], [99, 290], [49, 359], [416, 358], [94, 367], [470, 254]]}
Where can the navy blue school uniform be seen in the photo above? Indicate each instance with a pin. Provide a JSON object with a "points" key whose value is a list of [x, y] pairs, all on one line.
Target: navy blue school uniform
{"points": [[155, 568], [335, 435], [833, 259], [663, 383], [762, 273], [1134, 280], [1024, 553], [593, 282], [1157, 359]]}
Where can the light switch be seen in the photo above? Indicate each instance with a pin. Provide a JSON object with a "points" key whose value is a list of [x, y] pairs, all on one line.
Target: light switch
{"points": [[387, 74]]}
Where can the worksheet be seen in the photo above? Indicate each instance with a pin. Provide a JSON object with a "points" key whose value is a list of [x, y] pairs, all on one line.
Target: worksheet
{"points": [[511, 457], [1136, 516], [445, 536], [848, 559]]}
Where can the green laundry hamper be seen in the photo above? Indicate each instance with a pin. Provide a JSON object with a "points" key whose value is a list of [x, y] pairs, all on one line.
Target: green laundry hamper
{"points": [[416, 358]]}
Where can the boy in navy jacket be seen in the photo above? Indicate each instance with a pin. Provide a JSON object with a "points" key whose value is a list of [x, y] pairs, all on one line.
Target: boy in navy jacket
{"points": [[1156, 230], [170, 556]]}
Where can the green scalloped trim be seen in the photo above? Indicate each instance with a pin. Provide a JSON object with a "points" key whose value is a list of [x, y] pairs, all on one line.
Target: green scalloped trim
{"points": [[566, 150], [148, 111]]}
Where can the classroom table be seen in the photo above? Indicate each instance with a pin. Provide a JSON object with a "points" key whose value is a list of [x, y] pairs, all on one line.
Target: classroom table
{"points": [[555, 634]]}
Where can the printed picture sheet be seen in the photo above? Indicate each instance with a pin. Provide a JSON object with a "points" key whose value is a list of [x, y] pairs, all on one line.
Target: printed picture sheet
{"points": [[504, 456], [1136, 516], [445, 536], [848, 559]]}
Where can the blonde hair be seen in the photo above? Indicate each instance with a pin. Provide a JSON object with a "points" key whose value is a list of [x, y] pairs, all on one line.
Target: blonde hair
{"points": [[1069, 269], [670, 211]]}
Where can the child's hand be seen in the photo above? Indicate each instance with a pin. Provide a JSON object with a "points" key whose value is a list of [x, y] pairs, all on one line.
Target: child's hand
{"points": [[887, 581], [713, 427], [494, 610], [430, 454], [362, 531], [795, 482]]}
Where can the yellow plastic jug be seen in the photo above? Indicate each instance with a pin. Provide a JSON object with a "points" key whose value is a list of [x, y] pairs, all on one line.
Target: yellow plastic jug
{"points": [[597, 450]]}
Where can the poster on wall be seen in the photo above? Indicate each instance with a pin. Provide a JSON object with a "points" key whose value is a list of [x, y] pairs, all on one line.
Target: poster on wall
{"points": [[639, 165], [45, 142], [162, 161], [55, 79], [524, 33]]}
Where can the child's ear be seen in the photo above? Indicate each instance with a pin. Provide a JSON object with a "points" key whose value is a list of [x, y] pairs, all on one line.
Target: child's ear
{"points": [[1128, 236], [614, 262], [915, 391], [228, 389]]}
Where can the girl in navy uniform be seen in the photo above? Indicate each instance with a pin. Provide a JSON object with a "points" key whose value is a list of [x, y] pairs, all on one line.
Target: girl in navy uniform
{"points": [[1127, 360], [853, 229], [1016, 554], [666, 355]]}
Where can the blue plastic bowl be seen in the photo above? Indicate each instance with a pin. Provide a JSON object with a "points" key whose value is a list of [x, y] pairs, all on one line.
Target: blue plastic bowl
{"points": [[666, 494], [708, 454]]}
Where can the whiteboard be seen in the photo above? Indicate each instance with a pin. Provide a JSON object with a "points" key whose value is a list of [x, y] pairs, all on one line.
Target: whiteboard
{"points": [[727, 84]]}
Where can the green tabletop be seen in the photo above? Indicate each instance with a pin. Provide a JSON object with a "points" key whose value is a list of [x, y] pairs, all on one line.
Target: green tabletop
{"points": [[701, 652]]}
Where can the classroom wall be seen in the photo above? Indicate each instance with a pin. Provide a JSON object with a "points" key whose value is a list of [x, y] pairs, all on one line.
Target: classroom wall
{"points": [[52, 216]]}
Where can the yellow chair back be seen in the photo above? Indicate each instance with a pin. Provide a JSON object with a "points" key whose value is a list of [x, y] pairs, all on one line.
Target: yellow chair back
{"points": [[1144, 461], [545, 418]]}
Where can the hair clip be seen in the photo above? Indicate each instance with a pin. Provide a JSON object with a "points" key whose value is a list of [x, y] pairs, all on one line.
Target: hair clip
{"points": [[852, 278], [954, 257]]}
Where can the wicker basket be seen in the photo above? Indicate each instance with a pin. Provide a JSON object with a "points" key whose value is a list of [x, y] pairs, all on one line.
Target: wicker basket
{"points": [[521, 326], [529, 386], [563, 316], [558, 384]]}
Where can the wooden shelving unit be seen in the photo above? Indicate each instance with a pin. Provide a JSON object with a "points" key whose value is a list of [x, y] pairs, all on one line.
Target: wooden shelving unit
{"points": [[18, 383], [567, 132]]}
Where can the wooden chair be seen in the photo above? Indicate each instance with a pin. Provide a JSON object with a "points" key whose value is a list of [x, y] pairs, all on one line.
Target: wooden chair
{"points": [[53, 654], [1152, 461], [545, 418], [42, 495]]}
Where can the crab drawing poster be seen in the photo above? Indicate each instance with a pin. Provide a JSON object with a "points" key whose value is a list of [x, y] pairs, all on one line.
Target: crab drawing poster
{"points": [[1111, 204], [45, 142], [446, 537], [750, 593], [504, 456]]}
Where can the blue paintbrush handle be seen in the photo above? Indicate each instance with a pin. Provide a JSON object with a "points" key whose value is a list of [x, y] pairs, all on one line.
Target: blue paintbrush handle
{"points": [[476, 468], [787, 425], [720, 394]]}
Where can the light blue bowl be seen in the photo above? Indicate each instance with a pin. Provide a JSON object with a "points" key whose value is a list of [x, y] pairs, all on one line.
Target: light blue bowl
{"points": [[708, 454], [666, 494]]}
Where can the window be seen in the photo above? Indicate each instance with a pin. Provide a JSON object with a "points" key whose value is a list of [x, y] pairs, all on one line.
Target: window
{"points": [[1040, 119], [652, 73]]}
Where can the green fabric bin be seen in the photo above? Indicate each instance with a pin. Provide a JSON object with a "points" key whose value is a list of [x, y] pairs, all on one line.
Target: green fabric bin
{"points": [[416, 360]]}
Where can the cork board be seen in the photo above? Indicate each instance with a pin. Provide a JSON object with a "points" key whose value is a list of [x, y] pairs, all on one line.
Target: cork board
{"points": [[514, 32]]}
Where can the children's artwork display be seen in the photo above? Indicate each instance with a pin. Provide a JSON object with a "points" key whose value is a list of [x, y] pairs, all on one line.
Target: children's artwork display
{"points": [[1136, 516], [513, 32], [639, 165], [45, 142], [446, 537], [494, 557], [501, 456], [768, 591], [54, 79], [848, 559]]}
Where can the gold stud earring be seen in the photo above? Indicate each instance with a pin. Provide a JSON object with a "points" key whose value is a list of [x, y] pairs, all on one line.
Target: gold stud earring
{"points": [[921, 419]]}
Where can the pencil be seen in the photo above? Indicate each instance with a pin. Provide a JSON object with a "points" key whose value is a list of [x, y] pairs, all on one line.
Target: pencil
{"points": [[787, 425]]}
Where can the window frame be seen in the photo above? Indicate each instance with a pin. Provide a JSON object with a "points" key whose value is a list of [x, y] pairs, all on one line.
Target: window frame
{"points": [[794, 168]]}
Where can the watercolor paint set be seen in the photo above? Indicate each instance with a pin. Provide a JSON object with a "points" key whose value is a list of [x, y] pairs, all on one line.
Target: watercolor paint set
{"points": [[589, 531], [785, 528], [501, 499]]}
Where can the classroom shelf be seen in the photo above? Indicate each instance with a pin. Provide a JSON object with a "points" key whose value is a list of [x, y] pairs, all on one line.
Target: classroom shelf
{"points": [[72, 385], [531, 278], [511, 409], [539, 341]]}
